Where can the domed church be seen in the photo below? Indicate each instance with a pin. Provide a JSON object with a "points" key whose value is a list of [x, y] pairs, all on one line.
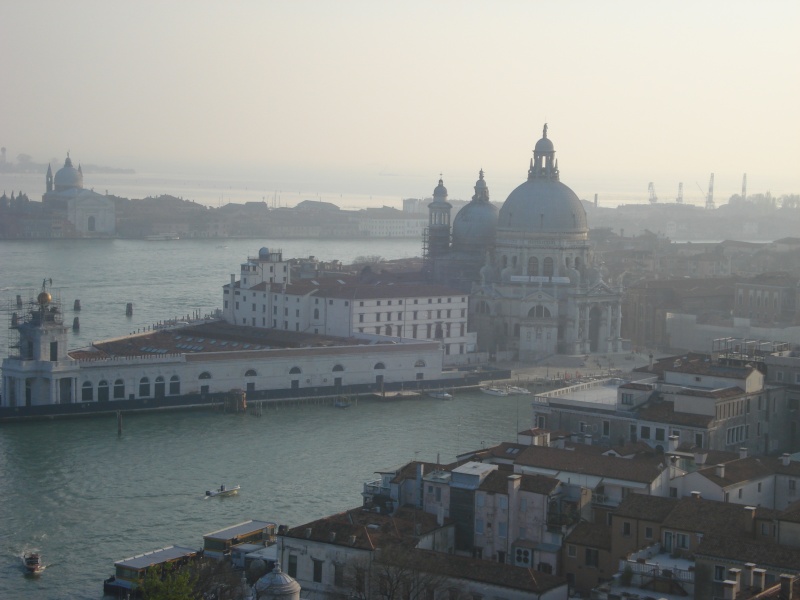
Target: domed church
{"points": [[535, 288], [90, 213]]}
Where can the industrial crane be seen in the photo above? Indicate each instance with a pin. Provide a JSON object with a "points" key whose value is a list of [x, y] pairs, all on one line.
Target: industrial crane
{"points": [[652, 190]]}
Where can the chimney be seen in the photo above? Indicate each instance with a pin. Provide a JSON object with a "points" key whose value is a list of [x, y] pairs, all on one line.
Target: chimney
{"points": [[700, 458], [440, 515], [742, 452], [308, 532], [696, 495], [352, 540], [729, 589], [748, 575], [720, 471], [787, 583], [332, 536], [514, 482], [587, 439], [758, 579], [673, 443], [750, 519], [785, 458], [735, 575], [233, 278]]}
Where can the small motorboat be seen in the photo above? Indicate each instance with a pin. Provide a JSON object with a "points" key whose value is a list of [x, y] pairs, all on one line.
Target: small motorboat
{"points": [[440, 395], [341, 402], [515, 389], [494, 391], [33, 563], [223, 490]]}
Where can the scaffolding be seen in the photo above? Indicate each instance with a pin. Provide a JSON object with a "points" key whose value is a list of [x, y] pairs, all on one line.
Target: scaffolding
{"points": [[741, 351]]}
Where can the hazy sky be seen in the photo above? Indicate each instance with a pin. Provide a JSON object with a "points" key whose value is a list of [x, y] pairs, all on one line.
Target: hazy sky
{"points": [[379, 97]]}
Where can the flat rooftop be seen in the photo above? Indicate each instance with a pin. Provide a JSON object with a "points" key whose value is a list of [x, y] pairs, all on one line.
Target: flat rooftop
{"points": [[216, 337], [142, 561], [241, 529]]}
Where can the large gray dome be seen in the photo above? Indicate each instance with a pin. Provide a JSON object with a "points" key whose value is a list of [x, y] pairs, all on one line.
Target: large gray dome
{"points": [[68, 177], [543, 205]]}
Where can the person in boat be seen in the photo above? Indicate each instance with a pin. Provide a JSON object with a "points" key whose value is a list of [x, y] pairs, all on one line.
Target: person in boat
{"points": [[222, 488]]}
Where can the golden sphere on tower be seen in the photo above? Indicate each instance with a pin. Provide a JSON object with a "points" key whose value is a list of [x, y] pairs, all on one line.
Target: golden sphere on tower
{"points": [[44, 298]]}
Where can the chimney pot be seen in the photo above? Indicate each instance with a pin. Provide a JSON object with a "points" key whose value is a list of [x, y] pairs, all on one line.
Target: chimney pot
{"points": [[696, 495], [787, 585], [308, 532], [785, 458], [742, 452], [720, 470]]}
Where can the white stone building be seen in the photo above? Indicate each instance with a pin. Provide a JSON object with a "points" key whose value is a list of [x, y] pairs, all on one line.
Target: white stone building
{"points": [[91, 214]]}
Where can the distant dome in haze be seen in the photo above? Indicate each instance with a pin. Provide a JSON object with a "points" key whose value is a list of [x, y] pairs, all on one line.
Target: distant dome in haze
{"points": [[68, 177], [476, 223]]}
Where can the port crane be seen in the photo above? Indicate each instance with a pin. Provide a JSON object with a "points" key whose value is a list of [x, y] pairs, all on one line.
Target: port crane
{"points": [[652, 191], [710, 195], [679, 199]]}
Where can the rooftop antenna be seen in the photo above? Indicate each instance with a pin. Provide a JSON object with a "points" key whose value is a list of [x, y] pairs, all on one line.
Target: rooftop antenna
{"points": [[710, 196]]}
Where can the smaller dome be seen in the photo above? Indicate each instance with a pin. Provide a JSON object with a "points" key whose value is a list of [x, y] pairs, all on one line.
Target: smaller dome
{"points": [[440, 190], [68, 177], [263, 253], [44, 298], [544, 145], [277, 583]]}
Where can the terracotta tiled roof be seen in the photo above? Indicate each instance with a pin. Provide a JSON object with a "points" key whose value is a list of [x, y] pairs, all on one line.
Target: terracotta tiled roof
{"points": [[766, 554], [648, 508], [664, 412], [366, 530], [497, 482], [593, 535], [711, 518], [641, 470], [737, 471], [485, 571]]}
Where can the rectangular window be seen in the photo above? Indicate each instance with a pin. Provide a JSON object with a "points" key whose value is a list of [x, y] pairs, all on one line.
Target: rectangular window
{"points": [[292, 570], [479, 526], [338, 575], [626, 528], [660, 434], [572, 552], [606, 428], [645, 432], [682, 541], [592, 557], [719, 573], [317, 570], [648, 533]]}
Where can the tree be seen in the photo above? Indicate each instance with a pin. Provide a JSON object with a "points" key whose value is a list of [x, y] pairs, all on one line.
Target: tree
{"points": [[169, 583], [397, 573]]}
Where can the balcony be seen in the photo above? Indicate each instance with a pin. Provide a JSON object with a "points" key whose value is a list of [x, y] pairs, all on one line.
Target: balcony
{"points": [[376, 488]]}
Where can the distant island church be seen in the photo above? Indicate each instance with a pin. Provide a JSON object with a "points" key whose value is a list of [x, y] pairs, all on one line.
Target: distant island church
{"points": [[88, 212], [530, 269]]}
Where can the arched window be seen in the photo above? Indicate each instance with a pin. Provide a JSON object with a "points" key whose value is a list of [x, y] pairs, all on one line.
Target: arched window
{"points": [[144, 387], [482, 308], [539, 312], [567, 262], [533, 266], [505, 261], [174, 385], [316, 313], [338, 368], [250, 373], [388, 330], [102, 391], [295, 371], [87, 392], [119, 389], [91, 224], [419, 363], [577, 262], [547, 267], [161, 387], [514, 261], [380, 366], [205, 375]]}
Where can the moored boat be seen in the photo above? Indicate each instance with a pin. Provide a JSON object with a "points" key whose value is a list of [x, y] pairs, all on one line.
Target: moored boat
{"points": [[440, 395], [341, 402], [494, 391], [223, 491], [33, 563], [515, 389]]}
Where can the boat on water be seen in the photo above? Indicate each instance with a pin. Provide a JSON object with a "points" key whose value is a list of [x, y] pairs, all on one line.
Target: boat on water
{"points": [[223, 491], [341, 402], [494, 391], [162, 237], [33, 563], [440, 395], [515, 389]]}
